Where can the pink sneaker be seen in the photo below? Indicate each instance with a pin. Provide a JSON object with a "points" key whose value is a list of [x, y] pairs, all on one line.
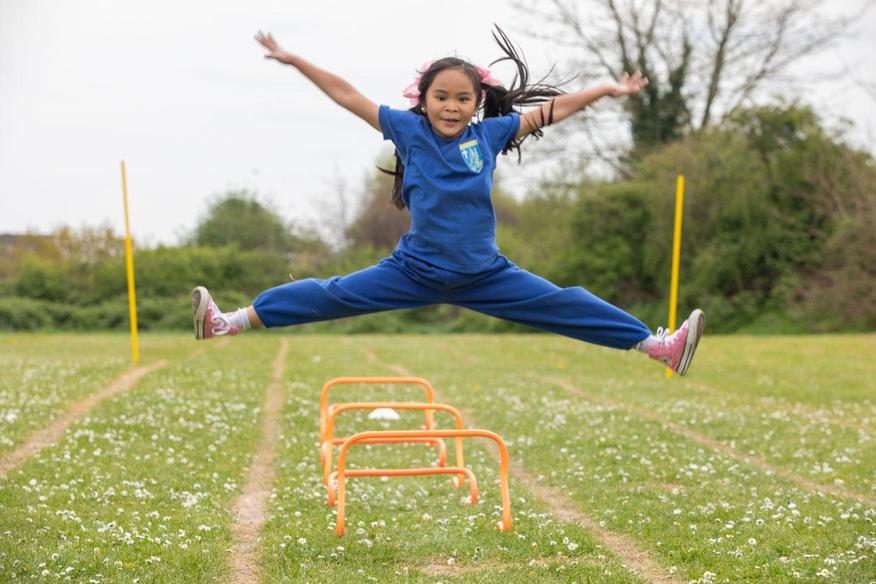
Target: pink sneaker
{"points": [[209, 320], [676, 351]]}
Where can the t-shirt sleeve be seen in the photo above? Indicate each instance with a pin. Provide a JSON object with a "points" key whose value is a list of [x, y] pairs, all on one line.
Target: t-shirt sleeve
{"points": [[398, 126], [500, 129]]}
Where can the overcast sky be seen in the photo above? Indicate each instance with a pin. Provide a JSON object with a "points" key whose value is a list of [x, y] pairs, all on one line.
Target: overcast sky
{"points": [[180, 91]]}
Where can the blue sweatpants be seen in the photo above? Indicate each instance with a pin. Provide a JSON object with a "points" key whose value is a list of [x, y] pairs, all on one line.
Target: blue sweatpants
{"points": [[502, 290]]}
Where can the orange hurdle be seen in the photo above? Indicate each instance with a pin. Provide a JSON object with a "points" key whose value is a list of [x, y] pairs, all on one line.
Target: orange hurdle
{"points": [[342, 472], [326, 447], [324, 408], [326, 453], [399, 472]]}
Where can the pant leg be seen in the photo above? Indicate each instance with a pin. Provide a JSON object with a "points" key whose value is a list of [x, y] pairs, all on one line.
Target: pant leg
{"points": [[514, 294], [385, 286]]}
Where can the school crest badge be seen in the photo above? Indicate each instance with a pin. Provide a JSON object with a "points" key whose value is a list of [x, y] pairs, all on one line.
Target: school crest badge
{"points": [[472, 154]]}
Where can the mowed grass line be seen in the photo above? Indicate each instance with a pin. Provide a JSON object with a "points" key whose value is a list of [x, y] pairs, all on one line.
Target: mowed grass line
{"points": [[405, 529], [708, 442], [792, 437], [50, 434], [814, 379], [765, 428], [703, 512], [57, 424], [44, 374], [140, 490], [862, 419], [250, 508], [636, 560]]}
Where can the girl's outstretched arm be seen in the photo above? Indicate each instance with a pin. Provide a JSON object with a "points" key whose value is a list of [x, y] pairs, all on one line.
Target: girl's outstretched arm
{"points": [[566, 105], [333, 86]]}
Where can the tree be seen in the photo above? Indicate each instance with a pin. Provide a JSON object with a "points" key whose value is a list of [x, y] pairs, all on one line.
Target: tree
{"points": [[88, 245], [705, 58], [377, 223], [14, 249], [779, 227], [238, 218]]}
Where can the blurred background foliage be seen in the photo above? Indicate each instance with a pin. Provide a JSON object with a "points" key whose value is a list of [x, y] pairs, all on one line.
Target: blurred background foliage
{"points": [[779, 236]]}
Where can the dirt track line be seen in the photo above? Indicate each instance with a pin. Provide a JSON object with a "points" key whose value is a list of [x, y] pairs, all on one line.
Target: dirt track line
{"points": [[47, 436], [795, 408], [708, 442], [53, 432], [251, 508], [560, 505]]}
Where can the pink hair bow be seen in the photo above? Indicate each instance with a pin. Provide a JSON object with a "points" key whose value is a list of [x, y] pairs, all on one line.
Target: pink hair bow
{"points": [[487, 77], [412, 91]]}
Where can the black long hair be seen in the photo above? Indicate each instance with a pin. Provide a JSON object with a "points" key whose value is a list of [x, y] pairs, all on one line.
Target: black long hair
{"points": [[497, 100]]}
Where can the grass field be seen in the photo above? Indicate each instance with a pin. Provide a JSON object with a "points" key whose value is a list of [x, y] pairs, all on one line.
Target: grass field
{"points": [[759, 466]]}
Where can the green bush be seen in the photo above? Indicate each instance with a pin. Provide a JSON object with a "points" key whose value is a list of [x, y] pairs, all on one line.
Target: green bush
{"points": [[778, 228], [23, 314], [42, 279], [110, 315]]}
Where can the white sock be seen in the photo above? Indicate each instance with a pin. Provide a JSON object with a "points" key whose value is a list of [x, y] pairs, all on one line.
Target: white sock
{"points": [[239, 318], [644, 345]]}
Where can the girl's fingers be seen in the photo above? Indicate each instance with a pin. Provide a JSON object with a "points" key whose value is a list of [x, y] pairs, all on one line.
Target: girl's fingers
{"points": [[266, 40]]}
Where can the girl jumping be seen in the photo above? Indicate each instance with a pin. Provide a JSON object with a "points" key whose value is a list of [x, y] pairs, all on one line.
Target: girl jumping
{"points": [[445, 159]]}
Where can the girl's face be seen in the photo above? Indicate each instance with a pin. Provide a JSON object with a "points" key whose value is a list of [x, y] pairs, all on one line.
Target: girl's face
{"points": [[450, 103]]}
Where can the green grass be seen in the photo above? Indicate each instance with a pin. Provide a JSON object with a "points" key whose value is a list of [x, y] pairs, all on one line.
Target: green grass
{"points": [[397, 530], [44, 374], [142, 488]]}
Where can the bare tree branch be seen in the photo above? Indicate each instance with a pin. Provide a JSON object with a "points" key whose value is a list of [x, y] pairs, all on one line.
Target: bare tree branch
{"points": [[739, 49], [621, 41], [731, 16], [869, 88]]}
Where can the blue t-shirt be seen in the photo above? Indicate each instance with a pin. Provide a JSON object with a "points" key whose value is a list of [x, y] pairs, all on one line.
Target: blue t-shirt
{"points": [[447, 186]]}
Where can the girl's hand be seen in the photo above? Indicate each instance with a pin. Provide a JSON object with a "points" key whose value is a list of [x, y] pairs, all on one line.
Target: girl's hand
{"points": [[274, 50], [629, 85]]}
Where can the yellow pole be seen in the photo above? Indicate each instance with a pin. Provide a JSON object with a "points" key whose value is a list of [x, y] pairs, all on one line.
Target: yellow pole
{"points": [[129, 266], [676, 257]]}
